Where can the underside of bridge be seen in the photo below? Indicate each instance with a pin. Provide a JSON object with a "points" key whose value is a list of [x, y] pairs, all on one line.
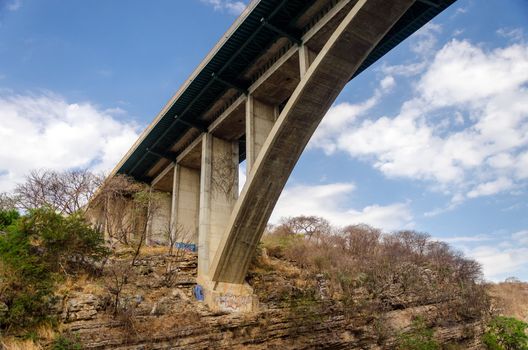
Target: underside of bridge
{"points": [[258, 96]]}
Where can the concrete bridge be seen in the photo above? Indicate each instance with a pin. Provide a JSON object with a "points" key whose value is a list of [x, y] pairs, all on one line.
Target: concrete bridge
{"points": [[258, 96]]}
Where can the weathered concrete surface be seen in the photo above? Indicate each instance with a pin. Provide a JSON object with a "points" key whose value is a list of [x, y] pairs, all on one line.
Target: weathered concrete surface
{"points": [[306, 57], [218, 194], [229, 297], [359, 32], [159, 224], [260, 118], [185, 204]]}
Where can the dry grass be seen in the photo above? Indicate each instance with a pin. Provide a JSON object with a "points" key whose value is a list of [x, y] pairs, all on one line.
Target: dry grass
{"points": [[81, 283], [45, 333], [11, 343], [511, 299], [154, 250]]}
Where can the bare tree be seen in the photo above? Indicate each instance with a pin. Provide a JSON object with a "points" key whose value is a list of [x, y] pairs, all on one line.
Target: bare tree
{"points": [[66, 192], [146, 201], [7, 201], [312, 227], [122, 211], [115, 281], [177, 234], [179, 240]]}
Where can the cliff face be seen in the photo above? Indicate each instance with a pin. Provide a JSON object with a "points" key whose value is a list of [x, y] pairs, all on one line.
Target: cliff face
{"points": [[156, 310], [510, 299]]}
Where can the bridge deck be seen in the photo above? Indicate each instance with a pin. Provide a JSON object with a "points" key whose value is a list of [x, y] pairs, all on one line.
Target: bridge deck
{"points": [[262, 36]]}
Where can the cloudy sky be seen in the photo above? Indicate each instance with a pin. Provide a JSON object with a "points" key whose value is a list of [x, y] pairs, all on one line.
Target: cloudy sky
{"points": [[433, 137]]}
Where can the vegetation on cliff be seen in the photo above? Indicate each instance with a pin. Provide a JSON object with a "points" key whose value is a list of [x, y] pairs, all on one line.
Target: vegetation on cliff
{"points": [[37, 251], [374, 272], [318, 285]]}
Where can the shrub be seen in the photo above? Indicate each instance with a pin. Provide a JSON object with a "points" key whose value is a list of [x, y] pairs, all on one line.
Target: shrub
{"points": [[506, 333], [63, 342], [419, 337], [371, 271], [34, 250], [25, 283], [67, 243], [7, 217]]}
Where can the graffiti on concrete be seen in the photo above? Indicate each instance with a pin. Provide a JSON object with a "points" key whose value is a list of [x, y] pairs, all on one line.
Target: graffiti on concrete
{"points": [[231, 302]]}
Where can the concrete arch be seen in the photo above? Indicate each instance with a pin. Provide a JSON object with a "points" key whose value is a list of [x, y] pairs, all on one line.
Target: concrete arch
{"points": [[326, 76]]}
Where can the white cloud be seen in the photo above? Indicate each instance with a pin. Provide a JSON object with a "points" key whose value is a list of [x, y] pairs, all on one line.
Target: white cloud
{"points": [[498, 264], [329, 201], [465, 239], [232, 7], [241, 176], [422, 44], [464, 130], [501, 258], [464, 73], [460, 11], [14, 5], [46, 131], [521, 237], [343, 114], [425, 39], [515, 34], [491, 187]]}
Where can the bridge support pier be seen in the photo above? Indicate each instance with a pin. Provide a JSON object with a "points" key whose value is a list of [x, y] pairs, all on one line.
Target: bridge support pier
{"points": [[185, 204], [218, 194], [159, 219], [228, 297]]}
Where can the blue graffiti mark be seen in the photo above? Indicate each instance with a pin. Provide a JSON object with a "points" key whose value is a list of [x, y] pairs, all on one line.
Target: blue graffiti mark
{"points": [[198, 292], [186, 246]]}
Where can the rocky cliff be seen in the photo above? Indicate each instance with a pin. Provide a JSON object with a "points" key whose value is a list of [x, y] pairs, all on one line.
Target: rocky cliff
{"points": [[156, 310]]}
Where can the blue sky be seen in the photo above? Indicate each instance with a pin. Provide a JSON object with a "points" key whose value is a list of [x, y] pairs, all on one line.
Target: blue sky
{"points": [[433, 137]]}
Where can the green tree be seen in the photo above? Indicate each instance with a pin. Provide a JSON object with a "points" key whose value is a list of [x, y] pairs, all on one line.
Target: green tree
{"points": [[506, 333], [25, 283], [7, 217], [34, 250], [68, 243]]}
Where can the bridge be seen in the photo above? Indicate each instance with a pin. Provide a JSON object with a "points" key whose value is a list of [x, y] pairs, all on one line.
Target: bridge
{"points": [[258, 96]]}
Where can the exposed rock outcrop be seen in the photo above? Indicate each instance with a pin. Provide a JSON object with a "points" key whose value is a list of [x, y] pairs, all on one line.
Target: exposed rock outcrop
{"points": [[157, 311]]}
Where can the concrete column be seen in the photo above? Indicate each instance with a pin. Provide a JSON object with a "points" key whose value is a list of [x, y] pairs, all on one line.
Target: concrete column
{"points": [[260, 118], [174, 198], [306, 57], [218, 194], [160, 214], [185, 204]]}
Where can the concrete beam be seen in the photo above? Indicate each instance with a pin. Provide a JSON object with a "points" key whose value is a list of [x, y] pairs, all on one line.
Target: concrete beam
{"points": [[162, 175], [218, 121], [306, 57], [355, 37], [305, 39], [218, 194], [188, 149]]}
